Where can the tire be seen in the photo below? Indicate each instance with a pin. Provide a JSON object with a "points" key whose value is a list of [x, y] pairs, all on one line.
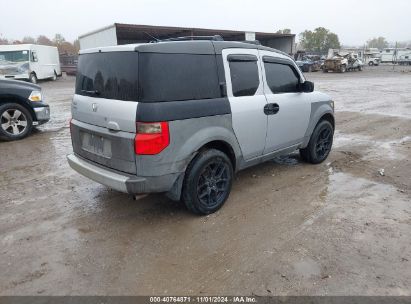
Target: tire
{"points": [[343, 69], [371, 63], [309, 69], [33, 78], [16, 122], [325, 71], [360, 68], [207, 183], [320, 143], [54, 78]]}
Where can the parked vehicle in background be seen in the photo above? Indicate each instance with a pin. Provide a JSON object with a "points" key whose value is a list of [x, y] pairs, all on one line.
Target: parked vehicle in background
{"points": [[405, 59], [21, 108], [309, 63], [339, 63], [371, 61], [182, 117], [29, 62], [394, 55], [370, 56], [69, 64]]}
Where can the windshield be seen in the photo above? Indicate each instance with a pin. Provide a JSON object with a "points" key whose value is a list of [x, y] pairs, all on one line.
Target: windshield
{"points": [[14, 56]]}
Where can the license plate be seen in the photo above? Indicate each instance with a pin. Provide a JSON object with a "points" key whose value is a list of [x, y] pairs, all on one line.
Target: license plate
{"points": [[96, 144]]}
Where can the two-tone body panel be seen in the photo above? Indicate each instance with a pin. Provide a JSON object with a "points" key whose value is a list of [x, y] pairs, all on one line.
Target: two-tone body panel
{"points": [[195, 88]]}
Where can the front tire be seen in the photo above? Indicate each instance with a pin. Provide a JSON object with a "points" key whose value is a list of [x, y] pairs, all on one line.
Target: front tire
{"points": [[33, 78], [15, 122], [208, 181], [320, 143], [54, 78]]}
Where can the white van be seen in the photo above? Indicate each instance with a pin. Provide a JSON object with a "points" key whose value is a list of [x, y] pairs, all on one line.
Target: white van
{"points": [[29, 62]]}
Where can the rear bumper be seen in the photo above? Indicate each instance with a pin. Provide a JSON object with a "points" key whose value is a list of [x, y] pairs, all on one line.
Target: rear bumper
{"points": [[120, 181]]}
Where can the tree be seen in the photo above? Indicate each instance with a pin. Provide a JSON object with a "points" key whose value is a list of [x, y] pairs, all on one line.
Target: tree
{"points": [[284, 31], [379, 43], [58, 39], [404, 44], [3, 40], [43, 40], [67, 48], [28, 39], [320, 40], [76, 45]]}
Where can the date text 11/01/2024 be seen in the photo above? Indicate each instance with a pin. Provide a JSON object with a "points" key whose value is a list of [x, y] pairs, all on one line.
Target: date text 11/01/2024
{"points": [[203, 299]]}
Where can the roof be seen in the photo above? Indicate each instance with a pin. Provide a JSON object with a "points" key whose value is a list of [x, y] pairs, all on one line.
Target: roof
{"points": [[23, 47], [16, 47], [182, 47], [145, 33]]}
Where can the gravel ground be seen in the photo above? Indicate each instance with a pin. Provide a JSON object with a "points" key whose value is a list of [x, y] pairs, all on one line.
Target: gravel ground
{"points": [[288, 228]]}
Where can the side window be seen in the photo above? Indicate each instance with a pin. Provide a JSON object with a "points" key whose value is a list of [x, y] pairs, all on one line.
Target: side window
{"points": [[244, 74], [34, 56], [281, 78]]}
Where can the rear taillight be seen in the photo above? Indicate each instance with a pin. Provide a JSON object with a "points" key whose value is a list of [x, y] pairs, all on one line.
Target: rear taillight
{"points": [[151, 138]]}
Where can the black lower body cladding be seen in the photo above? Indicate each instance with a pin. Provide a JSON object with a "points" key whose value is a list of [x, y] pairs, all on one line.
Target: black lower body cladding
{"points": [[184, 109]]}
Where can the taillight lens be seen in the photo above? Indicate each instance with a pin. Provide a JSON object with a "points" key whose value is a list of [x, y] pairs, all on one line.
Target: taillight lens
{"points": [[151, 138]]}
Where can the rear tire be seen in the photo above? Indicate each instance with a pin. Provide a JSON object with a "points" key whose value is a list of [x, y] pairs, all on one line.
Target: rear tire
{"points": [[207, 183], [371, 63], [15, 122], [320, 143]]}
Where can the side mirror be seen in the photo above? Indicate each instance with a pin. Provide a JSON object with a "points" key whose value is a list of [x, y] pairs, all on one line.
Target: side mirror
{"points": [[307, 87]]}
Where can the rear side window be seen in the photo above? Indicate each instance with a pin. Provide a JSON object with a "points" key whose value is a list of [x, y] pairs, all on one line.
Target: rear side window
{"points": [[173, 77], [281, 78], [244, 74], [112, 75]]}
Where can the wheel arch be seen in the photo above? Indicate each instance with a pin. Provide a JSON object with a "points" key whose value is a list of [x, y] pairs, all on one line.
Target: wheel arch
{"points": [[20, 101], [329, 117], [219, 144], [319, 111], [222, 146]]}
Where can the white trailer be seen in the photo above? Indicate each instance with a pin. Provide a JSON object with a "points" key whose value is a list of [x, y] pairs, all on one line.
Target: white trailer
{"points": [[29, 62], [106, 36], [394, 55]]}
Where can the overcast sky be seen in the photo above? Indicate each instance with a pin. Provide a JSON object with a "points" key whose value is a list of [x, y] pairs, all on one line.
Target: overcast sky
{"points": [[355, 21]]}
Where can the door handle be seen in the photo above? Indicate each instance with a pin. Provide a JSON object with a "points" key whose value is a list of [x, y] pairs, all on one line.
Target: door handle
{"points": [[271, 108]]}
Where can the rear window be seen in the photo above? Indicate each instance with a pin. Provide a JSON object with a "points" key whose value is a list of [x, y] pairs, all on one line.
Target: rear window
{"points": [[112, 75], [172, 77]]}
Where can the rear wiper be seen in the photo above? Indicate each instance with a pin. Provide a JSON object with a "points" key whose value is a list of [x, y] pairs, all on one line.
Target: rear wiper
{"points": [[92, 92]]}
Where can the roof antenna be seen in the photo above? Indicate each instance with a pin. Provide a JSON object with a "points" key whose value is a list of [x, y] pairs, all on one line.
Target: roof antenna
{"points": [[151, 36]]}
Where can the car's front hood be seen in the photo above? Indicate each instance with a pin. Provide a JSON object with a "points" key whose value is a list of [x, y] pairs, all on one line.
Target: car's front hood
{"points": [[8, 85]]}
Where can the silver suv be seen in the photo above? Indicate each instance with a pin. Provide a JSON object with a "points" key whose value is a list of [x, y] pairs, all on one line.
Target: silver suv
{"points": [[182, 117]]}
